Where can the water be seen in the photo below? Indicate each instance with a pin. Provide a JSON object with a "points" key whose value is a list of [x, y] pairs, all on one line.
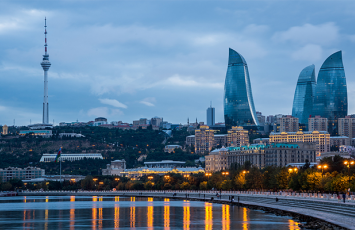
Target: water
{"points": [[57, 212]]}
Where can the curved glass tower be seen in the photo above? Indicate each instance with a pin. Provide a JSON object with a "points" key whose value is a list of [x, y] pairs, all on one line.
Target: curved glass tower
{"points": [[331, 99], [238, 99], [304, 95]]}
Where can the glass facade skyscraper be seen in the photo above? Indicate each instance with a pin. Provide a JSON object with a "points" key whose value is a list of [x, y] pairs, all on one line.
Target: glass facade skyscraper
{"points": [[238, 99], [331, 98], [304, 95]]}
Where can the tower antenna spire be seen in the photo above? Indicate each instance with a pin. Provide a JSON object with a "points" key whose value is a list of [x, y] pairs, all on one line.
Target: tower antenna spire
{"points": [[45, 65]]}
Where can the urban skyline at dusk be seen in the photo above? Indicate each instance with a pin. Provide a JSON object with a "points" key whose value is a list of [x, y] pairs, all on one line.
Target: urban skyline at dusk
{"points": [[130, 64]]}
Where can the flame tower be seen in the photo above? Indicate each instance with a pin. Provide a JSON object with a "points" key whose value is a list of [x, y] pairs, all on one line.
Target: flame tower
{"points": [[45, 65]]}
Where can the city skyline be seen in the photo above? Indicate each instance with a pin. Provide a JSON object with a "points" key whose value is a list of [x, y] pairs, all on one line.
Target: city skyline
{"points": [[123, 63]]}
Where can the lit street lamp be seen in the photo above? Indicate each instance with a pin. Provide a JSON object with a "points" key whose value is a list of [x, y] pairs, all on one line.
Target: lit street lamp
{"points": [[348, 163], [291, 170], [322, 167], [225, 173]]}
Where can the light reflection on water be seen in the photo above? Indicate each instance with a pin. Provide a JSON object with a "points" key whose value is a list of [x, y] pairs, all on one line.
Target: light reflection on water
{"points": [[131, 213]]}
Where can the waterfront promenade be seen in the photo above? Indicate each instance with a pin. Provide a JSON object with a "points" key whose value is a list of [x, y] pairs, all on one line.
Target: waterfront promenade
{"points": [[325, 207]]}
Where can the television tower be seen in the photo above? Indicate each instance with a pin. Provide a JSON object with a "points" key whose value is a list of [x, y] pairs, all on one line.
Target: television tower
{"points": [[45, 65]]}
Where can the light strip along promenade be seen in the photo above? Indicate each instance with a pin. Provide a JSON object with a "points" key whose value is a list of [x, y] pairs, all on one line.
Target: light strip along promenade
{"points": [[325, 207]]}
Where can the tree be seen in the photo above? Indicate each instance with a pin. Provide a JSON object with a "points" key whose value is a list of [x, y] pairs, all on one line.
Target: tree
{"points": [[203, 185], [240, 180], [314, 181], [283, 179], [226, 185], [88, 183], [254, 179]]}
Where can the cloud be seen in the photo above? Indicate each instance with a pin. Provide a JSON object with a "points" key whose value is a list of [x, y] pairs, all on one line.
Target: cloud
{"points": [[177, 80], [323, 34], [113, 103], [148, 101], [98, 112], [309, 52]]}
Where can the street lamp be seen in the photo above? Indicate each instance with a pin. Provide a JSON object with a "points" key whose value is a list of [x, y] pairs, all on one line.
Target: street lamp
{"points": [[150, 177], [244, 172], [225, 173], [208, 174], [166, 176], [322, 167], [186, 176], [117, 179], [291, 170], [348, 163]]}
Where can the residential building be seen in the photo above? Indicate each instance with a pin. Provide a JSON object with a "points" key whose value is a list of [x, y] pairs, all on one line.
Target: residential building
{"points": [[331, 98], [320, 138], [156, 121], [260, 118], [220, 140], [171, 148], [143, 121], [264, 141], [288, 123], [136, 123], [304, 95], [337, 141], [48, 157], [28, 173], [210, 116], [346, 126], [190, 140], [204, 139], [317, 123], [115, 168], [217, 160], [238, 99], [282, 154], [237, 136]]}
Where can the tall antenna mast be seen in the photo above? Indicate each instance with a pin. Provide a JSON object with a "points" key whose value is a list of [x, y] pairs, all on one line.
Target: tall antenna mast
{"points": [[45, 65]]}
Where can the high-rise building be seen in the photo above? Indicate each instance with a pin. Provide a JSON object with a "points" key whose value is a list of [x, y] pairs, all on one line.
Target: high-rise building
{"points": [[331, 98], [204, 139], [260, 117], [210, 116], [304, 95], [346, 126], [288, 123], [237, 136], [45, 65], [238, 99], [156, 121], [317, 123], [320, 138]]}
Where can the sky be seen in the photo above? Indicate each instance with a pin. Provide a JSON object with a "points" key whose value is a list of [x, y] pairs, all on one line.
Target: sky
{"points": [[126, 60]]}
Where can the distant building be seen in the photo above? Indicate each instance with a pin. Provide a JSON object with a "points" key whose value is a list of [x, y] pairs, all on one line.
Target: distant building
{"points": [[70, 135], [156, 121], [260, 118], [43, 133], [320, 138], [115, 168], [100, 121], [164, 164], [264, 141], [171, 148], [40, 126], [190, 140], [28, 173], [210, 116], [136, 123], [5, 130], [204, 139], [288, 123], [47, 157], [337, 141], [260, 155], [220, 140], [317, 123], [237, 136], [346, 126], [143, 121]]}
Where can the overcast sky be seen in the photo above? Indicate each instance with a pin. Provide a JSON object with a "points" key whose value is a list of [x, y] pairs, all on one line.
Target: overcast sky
{"points": [[126, 60]]}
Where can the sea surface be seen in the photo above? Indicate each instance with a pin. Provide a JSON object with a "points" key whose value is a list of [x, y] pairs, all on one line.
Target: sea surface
{"points": [[117, 212]]}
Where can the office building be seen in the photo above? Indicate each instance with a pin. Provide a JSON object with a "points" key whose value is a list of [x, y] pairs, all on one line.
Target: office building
{"points": [[237, 136], [238, 98], [346, 126], [304, 95], [210, 116], [331, 98], [288, 124], [28, 173], [320, 138], [156, 121], [317, 123], [204, 139]]}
